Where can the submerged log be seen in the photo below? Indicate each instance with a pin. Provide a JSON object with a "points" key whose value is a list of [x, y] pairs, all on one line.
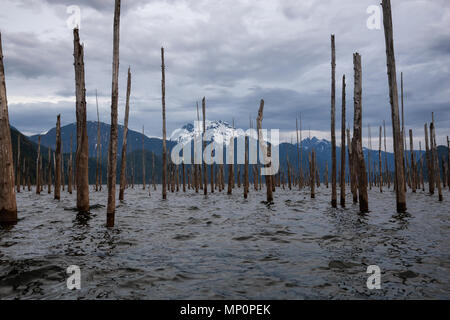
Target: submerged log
{"points": [[112, 148], [8, 205], [393, 94], [124, 140]]}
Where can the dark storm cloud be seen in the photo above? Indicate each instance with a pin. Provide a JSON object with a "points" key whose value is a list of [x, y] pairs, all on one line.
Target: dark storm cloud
{"points": [[234, 53]]}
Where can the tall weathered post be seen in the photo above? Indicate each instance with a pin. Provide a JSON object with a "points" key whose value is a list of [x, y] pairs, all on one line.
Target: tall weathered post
{"points": [[97, 167], [205, 174], [112, 149], [82, 152], [393, 94], [435, 157], [342, 179], [357, 137], [124, 140], [8, 205], [58, 159], [430, 163], [265, 151], [380, 169], [333, 120], [164, 147], [18, 164]]}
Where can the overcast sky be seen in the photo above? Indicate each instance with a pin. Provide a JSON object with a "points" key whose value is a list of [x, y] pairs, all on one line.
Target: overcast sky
{"points": [[234, 52]]}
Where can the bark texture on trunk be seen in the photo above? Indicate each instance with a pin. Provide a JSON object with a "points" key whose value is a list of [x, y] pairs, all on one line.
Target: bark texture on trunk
{"points": [[124, 141], [357, 137], [82, 153], [393, 95], [112, 149], [8, 205]]}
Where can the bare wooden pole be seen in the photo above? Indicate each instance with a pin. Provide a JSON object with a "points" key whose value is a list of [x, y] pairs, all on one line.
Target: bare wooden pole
{"points": [[112, 150], [82, 153], [413, 170], [38, 175], [265, 150], [124, 141], [342, 180], [380, 169], [143, 161], [246, 183], [153, 172], [164, 151], [357, 137], [393, 94], [49, 172], [8, 205], [18, 164], [298, 153], [429, 156], [97, 168], [405, 162], [69, 180], [386, 165], [436, 158], [312, 173], [448, 163], [368, 156], [57, 194], [205, 175], [333, 120]]}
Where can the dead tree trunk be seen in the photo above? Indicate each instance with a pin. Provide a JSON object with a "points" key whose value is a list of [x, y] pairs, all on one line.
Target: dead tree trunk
{"points": [[246, 183], [205, 175], [97, 168], [265, 151], [342, 180], [393, 94], [38, 173], [230, 154], [8, 205], [333, 120], [405, 160], [298, 154], [18, 164], [380, 167], [429, 156], [352, 170], [312, 173], [49, 172], [164, 153], [413, 170], [124, 141], [436, 158], [58, 159], [112, 149], [357, 137], [143, 160], [82, 153], [448, 163], [386, 166], [69, 180]]}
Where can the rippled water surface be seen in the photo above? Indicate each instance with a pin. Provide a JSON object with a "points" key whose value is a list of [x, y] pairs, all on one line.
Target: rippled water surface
{"points": [[191, 247]]}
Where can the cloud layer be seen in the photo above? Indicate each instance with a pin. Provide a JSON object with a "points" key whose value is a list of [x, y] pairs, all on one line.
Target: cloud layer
{"points": [[232, 52]]}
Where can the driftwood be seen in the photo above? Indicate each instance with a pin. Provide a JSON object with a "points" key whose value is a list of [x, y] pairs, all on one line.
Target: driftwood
{"points": [[393, 94], [112, 149], [8, 206]]}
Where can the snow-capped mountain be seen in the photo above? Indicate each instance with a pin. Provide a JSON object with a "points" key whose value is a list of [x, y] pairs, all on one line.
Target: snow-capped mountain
{"points": [[218, 130]]}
